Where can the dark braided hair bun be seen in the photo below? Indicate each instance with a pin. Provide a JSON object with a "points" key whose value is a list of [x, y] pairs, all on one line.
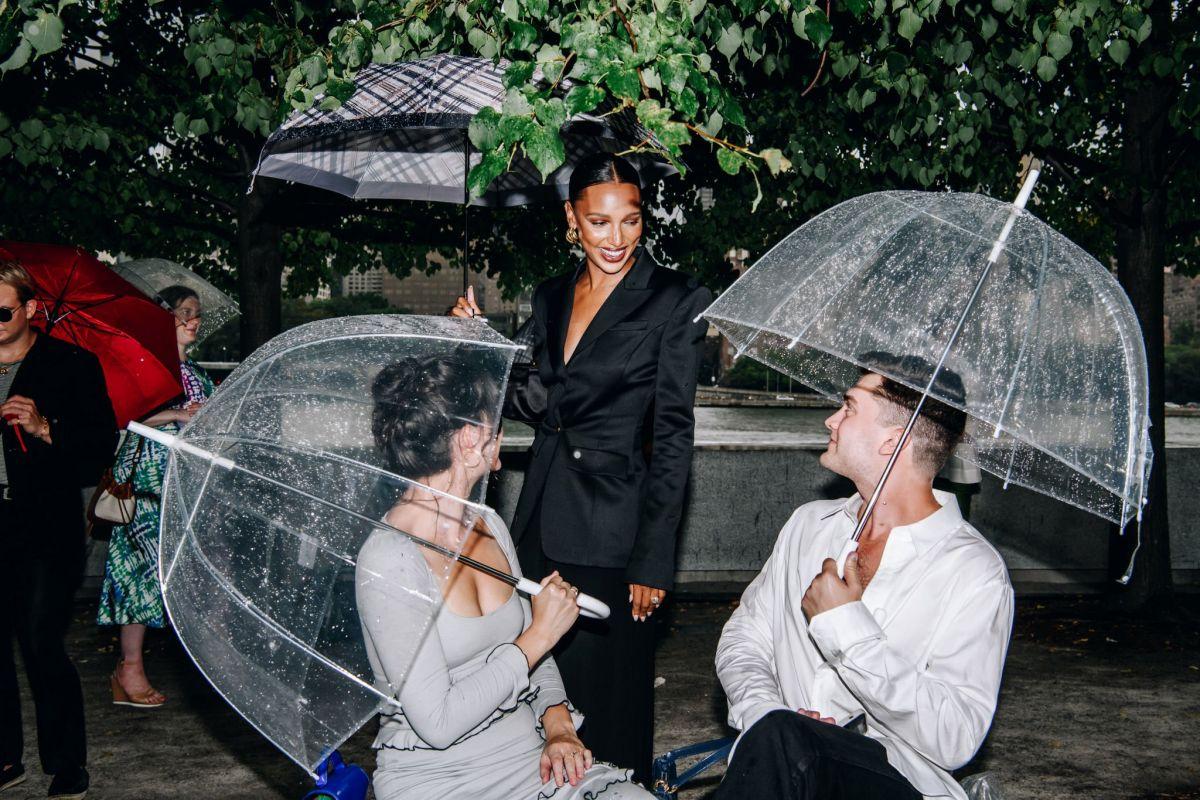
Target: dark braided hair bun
{"points": [[420, 402]]}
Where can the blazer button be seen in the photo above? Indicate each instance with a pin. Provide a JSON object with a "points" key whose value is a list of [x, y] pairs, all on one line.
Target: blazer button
{"points": [[577, 455]]}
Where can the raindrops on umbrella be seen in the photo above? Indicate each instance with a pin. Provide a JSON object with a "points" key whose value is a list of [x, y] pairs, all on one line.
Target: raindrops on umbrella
{"points": [[270, 494], [1050, 354], [152, 275]]}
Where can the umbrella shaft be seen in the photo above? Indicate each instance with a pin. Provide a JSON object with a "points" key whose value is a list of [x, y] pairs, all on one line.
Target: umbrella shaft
{"points": [[997, 248]]}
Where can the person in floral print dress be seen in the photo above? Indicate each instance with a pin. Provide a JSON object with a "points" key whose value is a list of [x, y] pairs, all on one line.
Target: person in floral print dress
{"points": [[130, 596]]}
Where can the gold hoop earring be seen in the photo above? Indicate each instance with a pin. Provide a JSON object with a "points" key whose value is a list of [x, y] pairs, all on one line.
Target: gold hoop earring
{"points": [[473, 464], [572, 236]]}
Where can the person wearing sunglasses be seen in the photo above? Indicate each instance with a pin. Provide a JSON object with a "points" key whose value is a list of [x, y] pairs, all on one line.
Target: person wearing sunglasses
{"points": [[130, 596], [58, 435]]}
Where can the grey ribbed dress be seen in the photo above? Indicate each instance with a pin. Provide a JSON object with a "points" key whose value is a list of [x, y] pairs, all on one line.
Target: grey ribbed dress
{"points": [[468, 725]]}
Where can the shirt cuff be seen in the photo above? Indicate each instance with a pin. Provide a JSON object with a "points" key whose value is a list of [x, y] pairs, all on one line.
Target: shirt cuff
{"points": [[837, 630], [757, 712]]}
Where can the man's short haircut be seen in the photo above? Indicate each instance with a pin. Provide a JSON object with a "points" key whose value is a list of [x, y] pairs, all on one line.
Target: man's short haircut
{"points": [[940, 426], [14, 275]]}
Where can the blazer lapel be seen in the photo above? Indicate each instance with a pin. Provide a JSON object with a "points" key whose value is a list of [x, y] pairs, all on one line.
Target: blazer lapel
{"points": [[558, 318], [630, 294]]}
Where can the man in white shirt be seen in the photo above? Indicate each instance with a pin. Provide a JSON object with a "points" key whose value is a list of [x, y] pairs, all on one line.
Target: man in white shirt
{"points": [[912, 640]]}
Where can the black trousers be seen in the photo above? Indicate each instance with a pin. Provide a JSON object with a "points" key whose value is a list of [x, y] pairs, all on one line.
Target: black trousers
{"points": [[789, 756], [607, 665], [36, 595]]}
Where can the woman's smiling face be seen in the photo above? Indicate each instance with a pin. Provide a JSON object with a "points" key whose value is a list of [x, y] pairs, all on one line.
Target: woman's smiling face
{"points": [[608, 217]]}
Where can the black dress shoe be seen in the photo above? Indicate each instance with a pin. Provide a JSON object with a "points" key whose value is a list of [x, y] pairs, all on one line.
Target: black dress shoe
{"points": [[11, 775], [69, 784]]}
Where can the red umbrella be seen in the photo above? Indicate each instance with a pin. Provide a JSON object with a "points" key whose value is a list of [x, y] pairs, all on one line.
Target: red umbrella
{"points": [[82, 301]]}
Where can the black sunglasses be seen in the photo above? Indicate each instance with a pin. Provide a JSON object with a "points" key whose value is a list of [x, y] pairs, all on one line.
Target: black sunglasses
{"points": [[6, 314]]}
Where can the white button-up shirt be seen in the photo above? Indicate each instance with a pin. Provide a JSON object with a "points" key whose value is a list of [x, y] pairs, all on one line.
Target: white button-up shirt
{"points": [[920, 655]]}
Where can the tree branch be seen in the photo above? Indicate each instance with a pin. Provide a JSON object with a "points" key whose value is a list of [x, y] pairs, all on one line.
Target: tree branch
{"points": [[824, 55], [633, 43]]}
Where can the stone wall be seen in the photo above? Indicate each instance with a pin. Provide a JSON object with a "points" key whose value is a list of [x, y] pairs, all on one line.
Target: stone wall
{"points": [[741, 496]]}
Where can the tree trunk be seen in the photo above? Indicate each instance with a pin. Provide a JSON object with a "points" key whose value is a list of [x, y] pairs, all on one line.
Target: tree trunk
{"points": [[1140, 235], [260, 268]]}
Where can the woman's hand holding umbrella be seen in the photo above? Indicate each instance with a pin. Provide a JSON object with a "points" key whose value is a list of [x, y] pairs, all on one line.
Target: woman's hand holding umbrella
{"points": [[555, 609], [466, 307]]}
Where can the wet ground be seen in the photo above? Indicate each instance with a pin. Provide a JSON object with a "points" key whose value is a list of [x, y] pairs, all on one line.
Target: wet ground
{"points": [[1093, 706]]}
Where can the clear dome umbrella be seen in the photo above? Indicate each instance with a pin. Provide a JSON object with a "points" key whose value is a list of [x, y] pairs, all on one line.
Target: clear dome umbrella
{"points": [[1046, 343], [152, 275], [270, 493]]}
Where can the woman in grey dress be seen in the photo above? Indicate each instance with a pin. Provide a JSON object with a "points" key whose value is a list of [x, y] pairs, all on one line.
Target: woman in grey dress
{"points": [[483, 713]]}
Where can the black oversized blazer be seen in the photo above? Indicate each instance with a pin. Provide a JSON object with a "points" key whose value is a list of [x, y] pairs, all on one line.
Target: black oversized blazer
{"points": [[605, 498], [66, 384]]}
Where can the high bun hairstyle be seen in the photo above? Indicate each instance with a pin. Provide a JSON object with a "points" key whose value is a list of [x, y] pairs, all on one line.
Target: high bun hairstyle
{"points": [[420, 402], [601, 168]]}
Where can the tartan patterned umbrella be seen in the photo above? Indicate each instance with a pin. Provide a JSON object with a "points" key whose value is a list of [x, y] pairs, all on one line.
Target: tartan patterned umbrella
{"points": [[402, 135]]}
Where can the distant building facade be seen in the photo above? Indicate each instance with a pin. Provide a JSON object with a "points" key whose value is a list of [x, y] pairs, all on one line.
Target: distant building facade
{"points": [[434, 294]]}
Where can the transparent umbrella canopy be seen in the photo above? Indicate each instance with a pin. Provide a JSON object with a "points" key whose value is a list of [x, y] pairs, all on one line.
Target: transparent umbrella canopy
{"points": [[270, 493], [1049, 350], [152, 275]]}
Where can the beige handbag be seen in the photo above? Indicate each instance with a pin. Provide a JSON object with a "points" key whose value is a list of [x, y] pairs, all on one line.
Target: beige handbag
{"points": [[115, 502]]}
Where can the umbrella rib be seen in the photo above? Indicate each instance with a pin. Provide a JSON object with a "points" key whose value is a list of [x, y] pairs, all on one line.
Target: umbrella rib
{"points": [[1034, 319], [271, 623], [959, 228], [503, 344], [437, 548], [853, 359], [849, 279]]}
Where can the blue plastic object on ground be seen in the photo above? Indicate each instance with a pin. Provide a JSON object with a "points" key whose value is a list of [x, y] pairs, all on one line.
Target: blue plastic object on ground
{"points": [[665, 780], [337, 780]]}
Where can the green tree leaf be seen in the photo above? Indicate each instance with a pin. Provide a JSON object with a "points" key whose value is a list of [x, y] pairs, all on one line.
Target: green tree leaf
{"points": [[1058, 45], [18, 58], [817, 27], [518, 73], [583, 98], [910, 23], [44, 32], [730, 161], [730, 41], [1118, 51], [1047, 68], [623, 82], [544, 146], [490, 167]]}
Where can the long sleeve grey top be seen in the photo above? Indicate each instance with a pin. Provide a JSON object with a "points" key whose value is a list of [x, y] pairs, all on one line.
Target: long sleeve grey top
{"points": [[454, 678]]}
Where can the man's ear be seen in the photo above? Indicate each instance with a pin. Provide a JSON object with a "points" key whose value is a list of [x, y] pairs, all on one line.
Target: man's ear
{"points": [[30, 309], [888, 445]]}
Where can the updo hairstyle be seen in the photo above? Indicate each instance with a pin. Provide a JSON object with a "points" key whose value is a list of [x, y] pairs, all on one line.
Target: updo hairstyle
{"points": [[601, 168], [420, 402]]}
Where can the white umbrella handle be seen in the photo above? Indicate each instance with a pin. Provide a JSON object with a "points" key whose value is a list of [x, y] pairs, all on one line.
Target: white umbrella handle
{"points": [[176, 443], [849, 547], [588, 605]]}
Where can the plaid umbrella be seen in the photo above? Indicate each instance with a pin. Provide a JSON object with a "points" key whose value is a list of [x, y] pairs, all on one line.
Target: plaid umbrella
{"points": [[402, 135]]}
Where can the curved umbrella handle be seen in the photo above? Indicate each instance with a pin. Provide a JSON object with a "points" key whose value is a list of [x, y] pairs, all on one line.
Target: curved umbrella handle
{"points": [[849, 547], [588, 605]]}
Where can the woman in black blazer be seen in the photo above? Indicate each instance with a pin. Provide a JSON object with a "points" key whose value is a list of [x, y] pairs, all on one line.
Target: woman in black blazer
{"points": [[615, 353]]}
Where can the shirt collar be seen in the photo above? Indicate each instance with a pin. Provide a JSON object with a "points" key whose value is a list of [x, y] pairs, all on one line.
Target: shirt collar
{"points": [[924, 533]]}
